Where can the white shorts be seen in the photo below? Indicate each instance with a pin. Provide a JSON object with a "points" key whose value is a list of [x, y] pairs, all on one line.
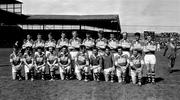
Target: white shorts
{"points": [[120, 70], [137, 72], [150, 59], [62, 70], [16, 68], [81, 67], [27, 69], [73, 54], [89, 53], [126, 53], [96, 69], [108, 70], [41, 68]]}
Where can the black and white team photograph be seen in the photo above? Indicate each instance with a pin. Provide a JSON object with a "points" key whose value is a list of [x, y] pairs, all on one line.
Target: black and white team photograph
{"points": [[89, 50]]}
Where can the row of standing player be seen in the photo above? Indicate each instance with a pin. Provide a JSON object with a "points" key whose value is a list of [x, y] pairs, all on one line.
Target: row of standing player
{"points": [[109, 57]]}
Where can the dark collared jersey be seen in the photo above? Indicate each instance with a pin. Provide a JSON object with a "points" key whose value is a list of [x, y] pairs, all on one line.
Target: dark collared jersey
{"points": [[95, 60], [107, 61]]}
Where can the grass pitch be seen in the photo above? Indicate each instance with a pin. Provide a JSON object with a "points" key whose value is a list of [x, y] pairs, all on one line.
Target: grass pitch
{"points": [[166, 88]]}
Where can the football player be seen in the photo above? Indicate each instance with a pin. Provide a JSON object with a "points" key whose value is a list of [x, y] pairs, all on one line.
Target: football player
{"points": [[63, 41], [64, 61], [39, 43], [49, 43], [121, 62], [52, 62], [171, 52], [113, 43], [136, 64], [28, 64], [16, 63], [39, 62], [137, 44], [125, 44], [101, 43], [150, 58], [95, 64], [108, 64], [82, 63], [28, 42], [74, 45], [89, 43]]}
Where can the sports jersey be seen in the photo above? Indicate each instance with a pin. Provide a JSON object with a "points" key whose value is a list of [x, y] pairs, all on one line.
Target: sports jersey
{"points": [[88, 42], [62, 42], [28, 59], [39, 58], [101, 43], [95, 60], [51, 58], [39, 43], [125, 44], [15, 59], [113, 43], [63, 58], [121, 60], [149, 47], [27, 43], [75, 43], [137, 45], [50, 43], [136, 62], [107, 61], [81, 58]]}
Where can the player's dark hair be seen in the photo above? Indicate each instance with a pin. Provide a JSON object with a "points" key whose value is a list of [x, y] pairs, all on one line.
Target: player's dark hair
{"points": [[107, 47], [119, 47], [137, 34], [82, 47]]}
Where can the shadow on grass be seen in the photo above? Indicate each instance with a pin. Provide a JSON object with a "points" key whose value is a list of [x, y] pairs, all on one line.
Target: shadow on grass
{"points": [[157, 80], [175, 70]]}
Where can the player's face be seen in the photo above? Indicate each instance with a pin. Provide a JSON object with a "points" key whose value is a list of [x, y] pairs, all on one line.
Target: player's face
{"points": [[49, 36], [149, 38], [74, 34], [28, 37], [137, 37], [120, 51], [107, 51], [124, 36], [95, 51], [111, 35], [87, 35], [135, 53], [51, 49], [39, 36], [39, 50], [64, 50], [82, 49], [63, 35], [99, 35]]}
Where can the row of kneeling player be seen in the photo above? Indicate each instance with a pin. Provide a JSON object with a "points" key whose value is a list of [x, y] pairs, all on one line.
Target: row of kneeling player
{"points": [[109, 63]]}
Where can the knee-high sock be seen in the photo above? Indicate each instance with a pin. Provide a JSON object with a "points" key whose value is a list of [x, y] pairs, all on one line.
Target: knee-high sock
{"points": [[153, 77]]}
